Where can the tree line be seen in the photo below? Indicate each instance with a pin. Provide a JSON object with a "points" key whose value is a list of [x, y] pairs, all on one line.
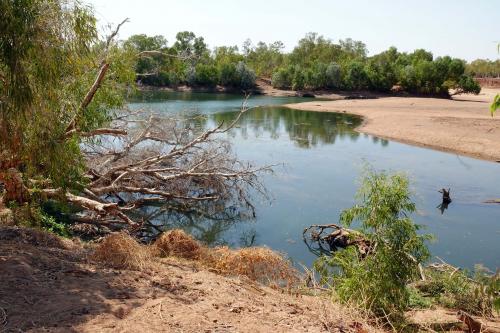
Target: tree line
{"points": [[484, 68], [316, 63]]}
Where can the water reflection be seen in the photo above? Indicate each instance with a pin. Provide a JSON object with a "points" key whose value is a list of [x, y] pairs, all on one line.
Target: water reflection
{"points": [[207, 222], [324, 156], [305, 129]]}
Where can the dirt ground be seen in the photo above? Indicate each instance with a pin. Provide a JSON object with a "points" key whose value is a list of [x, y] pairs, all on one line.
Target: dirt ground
{"points": [[461, 125], [50, 285]]}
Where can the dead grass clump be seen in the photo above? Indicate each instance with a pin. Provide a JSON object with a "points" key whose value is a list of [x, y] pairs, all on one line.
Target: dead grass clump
{"points": [[257, 263], [121, 251], [178, 244]]}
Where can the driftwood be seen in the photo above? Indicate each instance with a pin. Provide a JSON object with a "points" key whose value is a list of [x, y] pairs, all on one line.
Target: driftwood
{"points": [[473, 325], [478, 325], [446, 200], [144, 159], [446, 195], [336, 237]]}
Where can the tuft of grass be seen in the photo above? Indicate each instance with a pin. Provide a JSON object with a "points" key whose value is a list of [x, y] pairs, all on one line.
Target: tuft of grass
{"points": [[450, 287], [121, 251], [178, 244], [257, 263]]}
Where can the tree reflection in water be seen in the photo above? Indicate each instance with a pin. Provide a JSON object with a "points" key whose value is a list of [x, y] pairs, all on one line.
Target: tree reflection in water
{"points": [[211, 222], [306, 129]]}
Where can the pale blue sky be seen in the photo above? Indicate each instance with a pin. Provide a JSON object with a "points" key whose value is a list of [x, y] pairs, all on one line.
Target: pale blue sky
{"points": [[467, 29]]}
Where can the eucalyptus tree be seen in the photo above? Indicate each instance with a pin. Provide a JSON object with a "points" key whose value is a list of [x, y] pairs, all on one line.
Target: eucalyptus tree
{"points": [[51, 64], [66, 135]]}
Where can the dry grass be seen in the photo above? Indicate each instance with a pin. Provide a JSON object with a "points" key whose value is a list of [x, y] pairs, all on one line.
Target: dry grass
{"points": [[121, 251], [257, 263], [178, 244]]}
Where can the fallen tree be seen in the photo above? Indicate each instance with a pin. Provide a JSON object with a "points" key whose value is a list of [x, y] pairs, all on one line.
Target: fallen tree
{"points": [[66, 135]]}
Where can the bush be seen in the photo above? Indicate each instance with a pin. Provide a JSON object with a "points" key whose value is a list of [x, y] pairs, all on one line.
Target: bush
{"points": [[298, 82], [475, 293], [206, 75], [333, 76], [245, 76], [378, 282], [282, 78], [356, 78], [467, 85], [227, 75]]}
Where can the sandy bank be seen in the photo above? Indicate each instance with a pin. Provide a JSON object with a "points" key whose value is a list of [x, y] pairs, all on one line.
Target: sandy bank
{"points": [[461, 125], [50, 285]]}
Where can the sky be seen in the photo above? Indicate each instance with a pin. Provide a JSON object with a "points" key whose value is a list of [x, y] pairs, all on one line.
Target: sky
{"points": [[460, 28]]}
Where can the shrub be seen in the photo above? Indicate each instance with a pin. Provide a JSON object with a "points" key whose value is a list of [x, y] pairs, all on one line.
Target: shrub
{"points": [[245, 76], [227, 75], [206, 75], [356, 78], [298, 82], [282, 78], [475, 293], [467, 84], [378, 282], [333, 75]]}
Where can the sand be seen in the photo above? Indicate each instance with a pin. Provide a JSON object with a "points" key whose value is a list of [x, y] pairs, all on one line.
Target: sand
{"points": [[49, 285], [461, 125]]}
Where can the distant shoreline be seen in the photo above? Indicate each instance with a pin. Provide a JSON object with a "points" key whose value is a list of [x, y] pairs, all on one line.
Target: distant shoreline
{"points": [[461, 124]]}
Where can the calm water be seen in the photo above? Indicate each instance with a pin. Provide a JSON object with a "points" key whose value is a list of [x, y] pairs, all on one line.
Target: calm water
{"points": [[321, 161]]}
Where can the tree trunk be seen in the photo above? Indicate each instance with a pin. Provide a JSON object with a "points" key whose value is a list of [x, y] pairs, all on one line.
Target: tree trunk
{"points": [[14, 186]]}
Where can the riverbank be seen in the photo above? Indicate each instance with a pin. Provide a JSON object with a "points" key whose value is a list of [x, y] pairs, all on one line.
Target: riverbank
{"points": [[461, 125], [52, 284]]}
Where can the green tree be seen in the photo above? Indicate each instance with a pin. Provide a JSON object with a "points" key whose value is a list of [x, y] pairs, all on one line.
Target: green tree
{"points": [[283, 78], [151, 68], [356, 77], [333, 76], [378, 281], [245, 76], [48, 56]]}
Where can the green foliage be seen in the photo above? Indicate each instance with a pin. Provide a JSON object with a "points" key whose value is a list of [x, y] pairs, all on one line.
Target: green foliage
{"points": [[283, 78], [333, 76], [245, 77], [467, 84], [417, 300], [315, 63], [188, 61], [49, 223], [476, 293], [264, 58], [378, 282], [356, 77], [299, 79], [49, 58], [484, 68], [205, 75], [495, 105]]}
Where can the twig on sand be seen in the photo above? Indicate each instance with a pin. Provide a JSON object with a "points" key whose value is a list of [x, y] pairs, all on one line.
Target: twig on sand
{"points": [[161, 316], [3, 317]]}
